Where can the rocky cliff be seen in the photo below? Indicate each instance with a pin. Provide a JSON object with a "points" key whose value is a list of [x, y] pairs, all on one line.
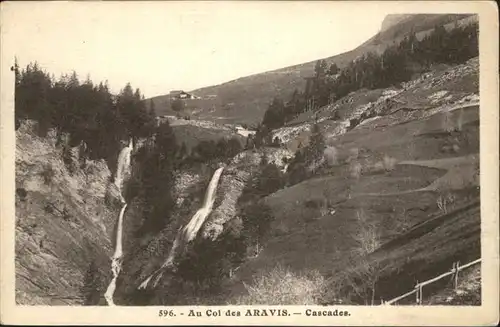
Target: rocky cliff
{"points": [[391, 20], [65, 216]]}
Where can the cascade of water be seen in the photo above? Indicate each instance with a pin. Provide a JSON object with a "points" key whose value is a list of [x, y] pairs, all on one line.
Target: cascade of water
{"points": [[190, 231], [194, 225], [116, 264], [123, 165], [116, 260]]}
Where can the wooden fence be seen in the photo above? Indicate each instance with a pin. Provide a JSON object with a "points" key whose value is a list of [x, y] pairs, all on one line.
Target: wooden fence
{"points": [[417, 290]]}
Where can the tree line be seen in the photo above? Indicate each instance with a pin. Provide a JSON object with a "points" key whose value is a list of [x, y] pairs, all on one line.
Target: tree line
{"points": [[398, 63], [89, 112]]}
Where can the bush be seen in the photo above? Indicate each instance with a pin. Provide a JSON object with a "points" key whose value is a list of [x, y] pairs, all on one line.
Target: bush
{"points": [[280, 286], [69, 160], [443, 201], [22, 193], [48, 208], [353, 122], [47, 174]]}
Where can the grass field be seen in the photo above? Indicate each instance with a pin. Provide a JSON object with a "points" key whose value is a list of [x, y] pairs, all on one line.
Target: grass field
{"points": [[414, 202]]}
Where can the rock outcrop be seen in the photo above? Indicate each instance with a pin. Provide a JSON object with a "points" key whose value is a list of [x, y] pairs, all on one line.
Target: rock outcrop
{"points": [[63, 225]]}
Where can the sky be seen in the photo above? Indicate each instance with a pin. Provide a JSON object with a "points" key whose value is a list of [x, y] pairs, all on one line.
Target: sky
{"points": [[160, 46]]}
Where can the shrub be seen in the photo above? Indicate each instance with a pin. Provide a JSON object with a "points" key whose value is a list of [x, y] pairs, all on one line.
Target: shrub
{"points": [[48, 208], [47, 174], [359, 281], [22, 193], [280, 286], [69, 160], [443, 201], [65, 214], [276, 142], [353, 122]]}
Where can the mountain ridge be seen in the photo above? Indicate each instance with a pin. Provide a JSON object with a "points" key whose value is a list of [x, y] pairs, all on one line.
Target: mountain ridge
{"points": [[245, 99]]}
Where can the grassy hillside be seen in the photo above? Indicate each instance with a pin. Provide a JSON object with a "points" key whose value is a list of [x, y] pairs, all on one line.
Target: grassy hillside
{"points": [[410, 172], [249, 96], [191, 132]]}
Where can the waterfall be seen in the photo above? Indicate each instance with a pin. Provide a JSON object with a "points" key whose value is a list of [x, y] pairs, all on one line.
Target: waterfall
{"points": [[116, 264], [116, 260], [194, 225], [190, 231], [123, 166]]}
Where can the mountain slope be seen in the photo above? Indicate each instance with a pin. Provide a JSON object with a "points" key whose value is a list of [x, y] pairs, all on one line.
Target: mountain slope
{"points": [[411, 171], [249, 96]]}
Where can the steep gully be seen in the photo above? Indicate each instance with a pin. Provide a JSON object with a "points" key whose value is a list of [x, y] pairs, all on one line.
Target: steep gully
{"points": [[189, 232], [116, 264], [184, 236]]}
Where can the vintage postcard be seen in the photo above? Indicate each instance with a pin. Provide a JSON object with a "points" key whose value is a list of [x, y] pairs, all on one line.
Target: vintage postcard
{"points": [[249, 163]]}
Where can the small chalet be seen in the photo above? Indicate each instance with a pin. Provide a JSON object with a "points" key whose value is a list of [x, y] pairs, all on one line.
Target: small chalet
{"points": [[179, 94]]}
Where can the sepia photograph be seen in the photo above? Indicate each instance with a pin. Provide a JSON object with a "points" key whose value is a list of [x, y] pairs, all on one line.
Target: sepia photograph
{"points": [[252, 155]]}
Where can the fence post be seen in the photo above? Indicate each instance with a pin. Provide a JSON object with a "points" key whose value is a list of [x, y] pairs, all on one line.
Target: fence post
{"points": [[456, 275], [417, 297], [418, 289]]}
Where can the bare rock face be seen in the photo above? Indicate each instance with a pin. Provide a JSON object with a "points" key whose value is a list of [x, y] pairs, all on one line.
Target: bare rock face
{"points": [[62, 222], [392, 19]]}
